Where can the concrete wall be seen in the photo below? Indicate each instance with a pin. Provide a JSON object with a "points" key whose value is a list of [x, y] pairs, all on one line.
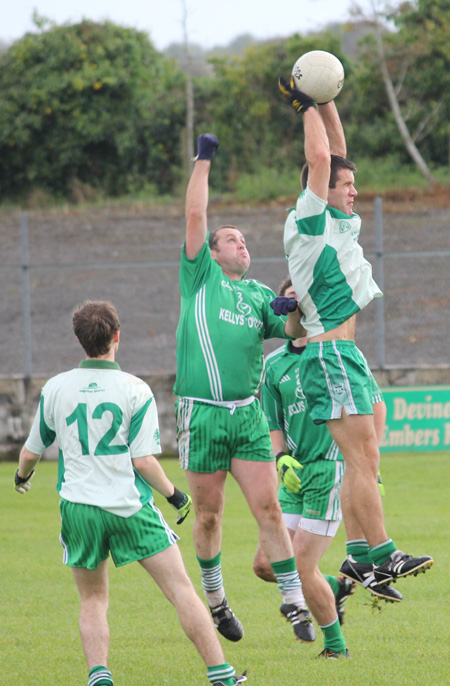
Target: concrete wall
{"points": [[19, 399]]}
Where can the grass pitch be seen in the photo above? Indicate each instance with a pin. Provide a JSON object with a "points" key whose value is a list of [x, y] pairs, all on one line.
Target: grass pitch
{"points": [[403, 644]]}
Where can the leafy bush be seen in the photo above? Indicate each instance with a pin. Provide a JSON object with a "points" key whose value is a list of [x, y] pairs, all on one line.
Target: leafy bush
{"points": [[89, 102]]}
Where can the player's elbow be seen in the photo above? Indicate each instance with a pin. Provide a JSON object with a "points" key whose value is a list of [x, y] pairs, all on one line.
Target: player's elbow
{"points": [[194, 216], [320, 160], [27, 457]]}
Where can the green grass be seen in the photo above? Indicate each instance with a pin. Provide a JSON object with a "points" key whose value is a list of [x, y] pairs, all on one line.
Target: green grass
{"points": [[388, 174], [403, 644]]}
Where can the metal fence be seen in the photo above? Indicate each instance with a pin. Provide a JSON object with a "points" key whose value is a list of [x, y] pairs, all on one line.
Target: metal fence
{"points": [[51, 262]]}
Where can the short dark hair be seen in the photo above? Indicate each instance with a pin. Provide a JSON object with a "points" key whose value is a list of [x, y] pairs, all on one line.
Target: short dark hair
{"points": [[94, 323], [337, 163], [214, 238], [284, 285]]}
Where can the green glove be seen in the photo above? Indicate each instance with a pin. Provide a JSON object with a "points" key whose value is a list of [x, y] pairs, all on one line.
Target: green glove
{"points": [[181, 503], [381, 485], [289, 93], [285, 466]]}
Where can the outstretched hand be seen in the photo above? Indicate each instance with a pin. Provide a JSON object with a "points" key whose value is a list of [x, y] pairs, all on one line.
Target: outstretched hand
{"points": [[290, 94], [207, 144]]}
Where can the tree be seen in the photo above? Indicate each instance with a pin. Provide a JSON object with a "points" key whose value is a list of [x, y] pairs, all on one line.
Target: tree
{"points": [[243, 107], [423, 37], [190, 108], [90, 102], [414, 62]]}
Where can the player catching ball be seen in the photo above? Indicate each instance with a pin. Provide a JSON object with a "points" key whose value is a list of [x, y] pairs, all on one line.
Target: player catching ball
{"points": [[333, 282]]}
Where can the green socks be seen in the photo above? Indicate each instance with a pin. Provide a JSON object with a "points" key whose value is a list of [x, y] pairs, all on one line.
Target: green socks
{"points": [[288, 580], [334, 640], [334, 583], [380, 553], [225, 673], [212, 580], [359, 550]]}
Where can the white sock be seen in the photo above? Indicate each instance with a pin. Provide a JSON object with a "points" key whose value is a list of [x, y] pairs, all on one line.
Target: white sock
{"points": [[295, 597], [215, 598]]}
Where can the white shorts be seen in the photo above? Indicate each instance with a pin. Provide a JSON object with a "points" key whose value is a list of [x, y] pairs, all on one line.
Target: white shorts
{"points": [[320, 527]]}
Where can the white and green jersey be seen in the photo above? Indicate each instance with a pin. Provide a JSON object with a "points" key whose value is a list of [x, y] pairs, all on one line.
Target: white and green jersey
{"points": [[284, 405], [331, 277], [101, 417], [222, 326]]}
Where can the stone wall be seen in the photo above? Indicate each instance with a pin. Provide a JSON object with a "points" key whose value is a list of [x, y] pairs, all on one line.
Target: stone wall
{"points": [[19, 399]]}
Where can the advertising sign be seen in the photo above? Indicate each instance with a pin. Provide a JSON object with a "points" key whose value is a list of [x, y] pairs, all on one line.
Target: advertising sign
{"points": [[418, 419]]}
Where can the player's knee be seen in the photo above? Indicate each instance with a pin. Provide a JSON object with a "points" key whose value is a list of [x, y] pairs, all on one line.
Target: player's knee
{"points": [[94, 605], [271, 513], [208, 520], [264, 573], [262, 569]]}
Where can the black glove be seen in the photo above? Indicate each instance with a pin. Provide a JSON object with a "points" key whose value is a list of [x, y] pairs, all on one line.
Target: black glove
{"points": [[289, 93], [23, 485], [207, 145], [282, 305], [181, 503]]}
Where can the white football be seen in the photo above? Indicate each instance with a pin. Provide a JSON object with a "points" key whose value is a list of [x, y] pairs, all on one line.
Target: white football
{"points": [[319, 74]]}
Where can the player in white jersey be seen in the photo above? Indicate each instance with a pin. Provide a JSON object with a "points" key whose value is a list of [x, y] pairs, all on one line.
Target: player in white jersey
{"points": [[311, 507], [333, 282], [221, 427], [106, 425]]}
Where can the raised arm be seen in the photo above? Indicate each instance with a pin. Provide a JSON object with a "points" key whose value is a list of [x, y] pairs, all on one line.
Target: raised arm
{"points": [[333, 128], [197, 195], [317, 145], [317, 153]]}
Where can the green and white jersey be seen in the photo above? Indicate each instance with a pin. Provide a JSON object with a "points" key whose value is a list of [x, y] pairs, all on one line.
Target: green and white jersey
{"points": [[222, 326], [284, 405], [102, 418], [331, 277]]}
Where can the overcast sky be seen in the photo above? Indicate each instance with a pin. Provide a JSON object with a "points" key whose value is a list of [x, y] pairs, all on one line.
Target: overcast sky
{"points": [[209, 22]]}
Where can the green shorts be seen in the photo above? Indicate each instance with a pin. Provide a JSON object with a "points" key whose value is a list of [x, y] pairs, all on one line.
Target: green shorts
{"points": [[335, 376], [88, 534], [319, 496], [377, 395], [209, 436]]}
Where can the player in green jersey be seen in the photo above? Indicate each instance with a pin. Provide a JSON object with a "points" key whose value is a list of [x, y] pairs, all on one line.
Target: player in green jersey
{"points": [[334, 281], [220, 425], [106, 425], [311, 513]]}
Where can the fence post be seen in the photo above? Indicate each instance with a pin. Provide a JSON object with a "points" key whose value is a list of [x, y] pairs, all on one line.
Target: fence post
{"points": [[379, 278], [26, 293]]}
